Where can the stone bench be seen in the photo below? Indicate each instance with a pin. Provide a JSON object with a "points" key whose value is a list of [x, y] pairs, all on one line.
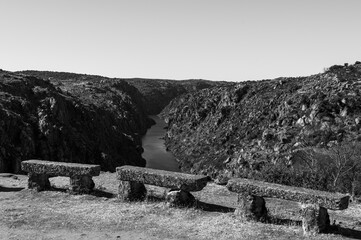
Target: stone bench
{"points": [[80, 175], [314, 204], [132, 180]]}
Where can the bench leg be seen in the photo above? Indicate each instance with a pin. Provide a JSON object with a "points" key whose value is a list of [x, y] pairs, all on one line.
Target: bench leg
{"points": [[315, 219], [39, 182], [180, 198], [130, 191], [81, 184], [251, 207]]}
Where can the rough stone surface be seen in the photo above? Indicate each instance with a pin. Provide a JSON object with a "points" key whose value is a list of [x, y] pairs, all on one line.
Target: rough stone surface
{"points": [[334, 201], [251, 208], [242, 126], [174, 180], [315, 219], [180, 198], [38, 182], [60, 168], [71, 118], [130, 191], [81, 184]]}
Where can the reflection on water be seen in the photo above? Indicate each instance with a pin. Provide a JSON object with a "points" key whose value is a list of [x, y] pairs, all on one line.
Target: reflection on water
{"points": [[154, 149]]}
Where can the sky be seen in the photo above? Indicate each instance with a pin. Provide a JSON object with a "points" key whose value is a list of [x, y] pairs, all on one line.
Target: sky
{"points": [[230, 40]]}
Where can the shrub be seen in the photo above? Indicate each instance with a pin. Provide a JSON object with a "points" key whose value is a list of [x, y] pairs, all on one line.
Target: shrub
{"points": [[336, 169], [335, 68]]}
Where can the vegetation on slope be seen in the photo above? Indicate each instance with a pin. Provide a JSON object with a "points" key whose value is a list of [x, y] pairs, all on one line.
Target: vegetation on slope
{"points": [[249, 128], [99, 121]]}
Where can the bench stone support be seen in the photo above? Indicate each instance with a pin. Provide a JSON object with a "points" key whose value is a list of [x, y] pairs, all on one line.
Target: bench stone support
{"points": [[180, 198], [80, 175], [315, 219], [251, 207], [132, 180], [81, 184], [39, 182], [130, 191]]}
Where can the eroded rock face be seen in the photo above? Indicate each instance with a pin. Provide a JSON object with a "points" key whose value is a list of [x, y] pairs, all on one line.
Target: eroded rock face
{"points": [[248, 124], [86, 120]]}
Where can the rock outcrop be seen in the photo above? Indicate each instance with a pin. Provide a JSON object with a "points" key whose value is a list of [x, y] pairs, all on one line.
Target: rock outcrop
{"points": [[84, 119], [227, 129]]}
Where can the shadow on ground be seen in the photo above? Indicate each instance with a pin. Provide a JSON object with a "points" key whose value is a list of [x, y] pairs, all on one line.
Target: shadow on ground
{"points": [[7, 189], [95, 192], [208, 207], [101, 193], [213, 207], [346, 232]]}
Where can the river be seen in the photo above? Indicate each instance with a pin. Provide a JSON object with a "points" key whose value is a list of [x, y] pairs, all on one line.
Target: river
{"points": [[155, 151]]}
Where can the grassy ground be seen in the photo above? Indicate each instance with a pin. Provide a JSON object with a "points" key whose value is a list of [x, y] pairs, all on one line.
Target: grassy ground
{"points": [[26, 214]]}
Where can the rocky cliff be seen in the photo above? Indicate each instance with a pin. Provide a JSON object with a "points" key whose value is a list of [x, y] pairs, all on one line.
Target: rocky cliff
{"points": [[250, 123], [72, 118]]}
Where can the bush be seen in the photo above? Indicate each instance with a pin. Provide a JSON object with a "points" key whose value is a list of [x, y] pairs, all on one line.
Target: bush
{"points": [[306, 178], [335, 68], [337, 169]]}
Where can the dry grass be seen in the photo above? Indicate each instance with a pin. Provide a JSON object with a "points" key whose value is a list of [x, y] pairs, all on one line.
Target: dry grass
{"points": [[27, 214]]}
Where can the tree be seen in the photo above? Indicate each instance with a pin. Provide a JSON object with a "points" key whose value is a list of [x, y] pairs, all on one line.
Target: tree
{"points": [[340, 164]]}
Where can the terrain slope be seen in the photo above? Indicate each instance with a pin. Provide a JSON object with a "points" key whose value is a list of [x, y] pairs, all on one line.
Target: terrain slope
{"points": [[99, 121], [245, 125]]}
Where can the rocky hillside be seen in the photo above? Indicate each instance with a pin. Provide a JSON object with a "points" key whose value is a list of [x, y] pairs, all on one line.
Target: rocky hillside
{"points": [[61, 116], [247, 124], [152, 95], [82, 118], [158, 93]]}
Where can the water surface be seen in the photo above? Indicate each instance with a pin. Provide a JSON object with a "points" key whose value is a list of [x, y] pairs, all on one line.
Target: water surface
{"points": [[155, 151]]}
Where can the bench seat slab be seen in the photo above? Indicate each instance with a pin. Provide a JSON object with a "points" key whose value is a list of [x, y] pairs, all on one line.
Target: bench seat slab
{"points": [[334, 201], [162, 178], [60, 168]]}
